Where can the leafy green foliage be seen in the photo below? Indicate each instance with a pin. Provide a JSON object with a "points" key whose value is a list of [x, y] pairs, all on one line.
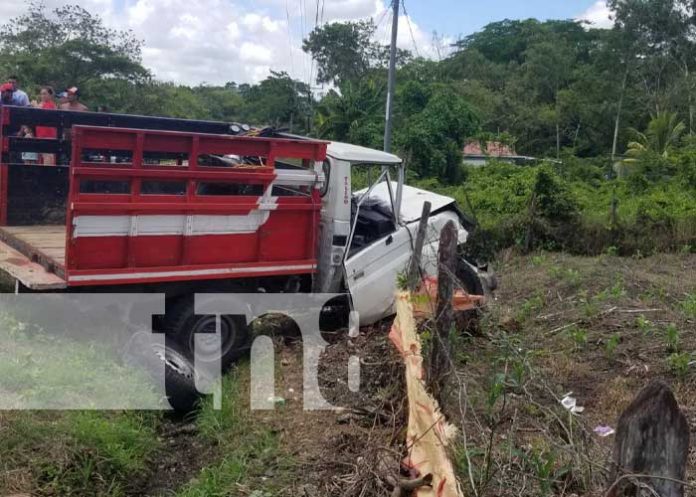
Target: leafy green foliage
{"points": [[579, 337], [672, 338], [68, 46], [688, 305], [345, 51], [679, 363], [611, 344], [351, 116], [433, 138]]}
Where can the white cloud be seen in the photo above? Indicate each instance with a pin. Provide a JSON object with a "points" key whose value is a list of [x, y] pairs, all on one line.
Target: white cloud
{"points": [[216, 41], [256, 54], [598, 15]]}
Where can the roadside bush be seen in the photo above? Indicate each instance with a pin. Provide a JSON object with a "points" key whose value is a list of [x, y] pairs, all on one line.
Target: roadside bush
{"points": [[577, 207]]}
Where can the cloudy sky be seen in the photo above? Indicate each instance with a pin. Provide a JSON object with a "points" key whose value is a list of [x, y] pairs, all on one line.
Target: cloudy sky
{"points": [[215, 41]]}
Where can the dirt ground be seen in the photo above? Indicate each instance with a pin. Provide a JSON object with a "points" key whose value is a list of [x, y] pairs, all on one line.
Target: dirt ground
{"points": [[599, 327]]}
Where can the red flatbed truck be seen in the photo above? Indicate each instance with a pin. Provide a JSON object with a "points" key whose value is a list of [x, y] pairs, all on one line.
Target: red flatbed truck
{"points": [[145, 204]]}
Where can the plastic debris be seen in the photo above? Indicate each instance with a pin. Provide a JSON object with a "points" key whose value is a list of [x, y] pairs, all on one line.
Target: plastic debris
{"points": [[571, 404], [277, 400], [604, 430]]}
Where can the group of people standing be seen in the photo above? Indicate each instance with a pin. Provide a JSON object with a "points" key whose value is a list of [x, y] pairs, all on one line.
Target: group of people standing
{"points": [[69, 99]]}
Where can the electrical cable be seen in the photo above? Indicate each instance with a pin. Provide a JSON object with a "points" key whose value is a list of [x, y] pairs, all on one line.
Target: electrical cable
{"points": [[410, 28], [287, 16]]}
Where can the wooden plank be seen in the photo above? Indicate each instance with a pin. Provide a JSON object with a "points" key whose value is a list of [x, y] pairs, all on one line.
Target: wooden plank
{"points": [[43, 244], [36, 229], [30, 274]]}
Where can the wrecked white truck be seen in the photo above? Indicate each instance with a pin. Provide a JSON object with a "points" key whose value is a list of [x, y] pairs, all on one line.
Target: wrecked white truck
{"points": [[140, 204]]}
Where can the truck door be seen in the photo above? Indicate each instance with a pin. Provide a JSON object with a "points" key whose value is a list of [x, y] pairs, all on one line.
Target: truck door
{"points": [[372, 272], [379, 250]]}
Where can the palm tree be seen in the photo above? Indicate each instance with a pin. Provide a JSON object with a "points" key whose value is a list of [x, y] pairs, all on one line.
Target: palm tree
{"points": [[660, 138], [341, 115]]}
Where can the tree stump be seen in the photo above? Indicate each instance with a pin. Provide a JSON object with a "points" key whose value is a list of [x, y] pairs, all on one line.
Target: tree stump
{"points": [[652, 438]]}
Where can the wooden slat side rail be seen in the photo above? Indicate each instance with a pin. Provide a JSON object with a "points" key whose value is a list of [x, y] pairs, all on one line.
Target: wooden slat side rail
{"points": [[211, 222]]}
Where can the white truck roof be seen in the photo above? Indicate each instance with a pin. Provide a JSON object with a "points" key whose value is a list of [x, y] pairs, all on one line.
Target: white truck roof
{"points": [[358, 154]]}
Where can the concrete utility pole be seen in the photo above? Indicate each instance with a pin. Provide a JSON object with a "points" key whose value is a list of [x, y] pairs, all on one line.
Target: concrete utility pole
{"points": [[392, 76]]}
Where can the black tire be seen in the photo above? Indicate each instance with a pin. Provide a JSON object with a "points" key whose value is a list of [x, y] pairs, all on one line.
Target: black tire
{"points": [[182, 324], [179, 378], [468, 278]]}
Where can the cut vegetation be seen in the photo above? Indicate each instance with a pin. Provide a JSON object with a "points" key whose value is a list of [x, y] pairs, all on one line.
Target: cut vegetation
{"points": [[598, 327]]}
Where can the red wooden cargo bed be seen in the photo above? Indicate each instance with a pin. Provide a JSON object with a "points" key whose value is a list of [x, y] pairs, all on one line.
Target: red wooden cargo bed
{"points": [[131, 217]]}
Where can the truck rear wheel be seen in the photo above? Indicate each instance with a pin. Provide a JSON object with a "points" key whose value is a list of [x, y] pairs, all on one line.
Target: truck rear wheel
{"points": [[184, 324], [179, 378]]}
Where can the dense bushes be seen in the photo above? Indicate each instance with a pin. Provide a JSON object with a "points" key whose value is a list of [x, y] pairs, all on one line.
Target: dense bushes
{"points": [[576, 206]]}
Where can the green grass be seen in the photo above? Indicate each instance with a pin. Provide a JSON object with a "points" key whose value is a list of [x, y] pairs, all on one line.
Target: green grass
{"points": [[530, 307], [46, 371], [78, 453], [250, 448], [688, 305]]}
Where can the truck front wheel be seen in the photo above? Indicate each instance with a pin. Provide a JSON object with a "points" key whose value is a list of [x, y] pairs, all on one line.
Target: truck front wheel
{"points": [[184, 324]]}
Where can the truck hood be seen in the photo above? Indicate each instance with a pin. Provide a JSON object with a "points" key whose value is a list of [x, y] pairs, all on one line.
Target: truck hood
{"points": [[411, 202]]}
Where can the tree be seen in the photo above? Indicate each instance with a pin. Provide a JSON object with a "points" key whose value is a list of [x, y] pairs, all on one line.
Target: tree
{"points": [[345, 51], [354, 115], [648, 152], [68, 46], [278, 101], [434, 138], [660, 34], [661, 137], [548, 66]]}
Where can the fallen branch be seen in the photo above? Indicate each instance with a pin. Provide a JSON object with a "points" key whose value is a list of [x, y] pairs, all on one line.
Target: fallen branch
{"points": [[403, 488], [636, 476], [631, 311]]}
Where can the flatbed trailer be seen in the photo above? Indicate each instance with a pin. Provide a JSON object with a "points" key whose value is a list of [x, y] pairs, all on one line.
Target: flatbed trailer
{"points": [[138, 206]]}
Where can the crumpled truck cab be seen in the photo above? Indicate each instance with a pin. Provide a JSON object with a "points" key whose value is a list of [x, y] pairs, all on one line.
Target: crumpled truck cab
{"points": [[369, 234]]}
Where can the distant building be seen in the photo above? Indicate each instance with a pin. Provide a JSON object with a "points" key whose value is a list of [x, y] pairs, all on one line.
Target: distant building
{"points": [[475, 155]]}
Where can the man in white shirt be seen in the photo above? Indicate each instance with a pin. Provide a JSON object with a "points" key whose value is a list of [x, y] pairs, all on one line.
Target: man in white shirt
{"points": [[18, 96]]}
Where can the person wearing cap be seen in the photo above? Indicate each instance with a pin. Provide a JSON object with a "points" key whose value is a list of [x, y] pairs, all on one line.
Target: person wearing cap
{"points": [[73, 101], [6, 91]]}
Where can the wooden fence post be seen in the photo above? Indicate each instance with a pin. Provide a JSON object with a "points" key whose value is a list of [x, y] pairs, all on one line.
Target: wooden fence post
{"points": [[652, 438], [414, 274], [444, 317]]}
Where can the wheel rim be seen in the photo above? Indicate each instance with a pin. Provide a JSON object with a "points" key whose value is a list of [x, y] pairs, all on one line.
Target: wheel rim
{"points": [[174, 361], [205, 328]]}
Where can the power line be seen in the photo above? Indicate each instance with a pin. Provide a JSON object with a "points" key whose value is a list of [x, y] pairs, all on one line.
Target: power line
{"points": [[410, 28], [387, 31], [311, 65], [287, 16], [303, 26], [384, 14]]}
